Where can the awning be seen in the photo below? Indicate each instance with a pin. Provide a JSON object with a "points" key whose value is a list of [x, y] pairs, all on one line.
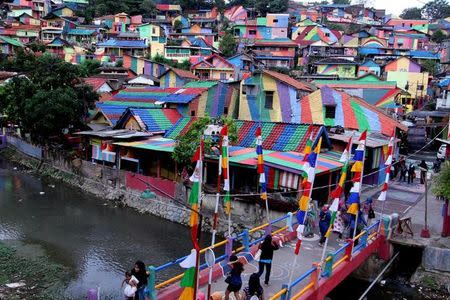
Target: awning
{"points": [[287, 161], [156, 144]]}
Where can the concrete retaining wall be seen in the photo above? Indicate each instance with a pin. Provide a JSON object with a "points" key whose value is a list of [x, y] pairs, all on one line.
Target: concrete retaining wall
{"points": [[24, 147], [437, 259]]}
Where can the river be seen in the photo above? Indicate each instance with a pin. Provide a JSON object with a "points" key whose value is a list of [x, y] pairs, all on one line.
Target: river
{"points": [[95, 239]]}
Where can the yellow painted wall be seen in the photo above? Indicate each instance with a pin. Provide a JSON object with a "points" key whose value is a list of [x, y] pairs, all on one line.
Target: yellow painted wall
{"points": [[156, 48], [67, 12], [132, 124], [215, 74], [202, 104]]}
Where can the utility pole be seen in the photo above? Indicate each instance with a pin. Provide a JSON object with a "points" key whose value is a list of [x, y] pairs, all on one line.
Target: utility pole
{"points": [[425, 233]]}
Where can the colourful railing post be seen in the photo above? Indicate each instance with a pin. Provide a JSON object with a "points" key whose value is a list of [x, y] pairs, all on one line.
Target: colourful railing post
{"points": [[268, 229], [328, 268], [151, 291], [246, 240], [363, 239], [349, 249], [316, 274], [289, 222], [229, 246], [286, 295]]}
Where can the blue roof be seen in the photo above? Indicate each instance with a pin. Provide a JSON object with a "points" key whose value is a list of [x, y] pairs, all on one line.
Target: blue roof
{"points": [[81, 31], [113, 112], [155, 120], [123, 44], [444, 82], [368, 50], [423, 54], [179, 98], [198, 42], [370, 63]]}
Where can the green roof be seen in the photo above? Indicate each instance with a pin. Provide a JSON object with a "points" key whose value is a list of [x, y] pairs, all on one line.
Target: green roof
{"points": [[11, 41], [200, 84]]}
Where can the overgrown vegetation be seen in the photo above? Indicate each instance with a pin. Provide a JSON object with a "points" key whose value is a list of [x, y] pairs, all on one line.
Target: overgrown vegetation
{"points": [[44, 279], [441, 183], [228, 45], [185, 65], [188, 143]]}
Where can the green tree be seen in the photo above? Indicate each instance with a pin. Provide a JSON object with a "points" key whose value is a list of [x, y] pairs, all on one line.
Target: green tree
{"points": [[411, 13], [89, 67], [148, 8], [48, 100], [177, 25], [188, 143], [438, 36], [271, 6], [436, 9], [430, 66], [441, 183], [227, 45]]}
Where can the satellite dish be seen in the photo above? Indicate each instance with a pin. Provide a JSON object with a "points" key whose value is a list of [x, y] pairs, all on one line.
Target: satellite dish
{"points": [[210, 257]]}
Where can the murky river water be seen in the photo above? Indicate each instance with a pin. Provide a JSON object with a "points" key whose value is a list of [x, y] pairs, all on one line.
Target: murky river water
{"points": [[97, 241]]}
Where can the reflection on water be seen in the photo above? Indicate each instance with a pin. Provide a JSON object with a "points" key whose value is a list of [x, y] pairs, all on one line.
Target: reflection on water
{"points": [[77, 230]]}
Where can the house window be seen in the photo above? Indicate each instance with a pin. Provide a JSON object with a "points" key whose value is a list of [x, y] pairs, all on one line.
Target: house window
{"points": [[244, 90], [327, 34], [225, 110], [420, 87], [269, 100], [252, 32], [192, 113], [153, 30], [275, 20], [330, 112], [223, 76]]}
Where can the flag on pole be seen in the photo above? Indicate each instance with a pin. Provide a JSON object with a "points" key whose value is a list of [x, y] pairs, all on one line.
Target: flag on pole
{"points": [[260, 164], [357, 169], [195, 192], [188, 280], [224, 168], [345, 156], [387, 166], [333, 210], [337, 192], [309, 169]]}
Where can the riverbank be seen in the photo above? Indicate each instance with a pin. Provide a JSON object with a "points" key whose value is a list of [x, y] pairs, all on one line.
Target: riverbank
{"points": [[117, 195], [26, 272]]}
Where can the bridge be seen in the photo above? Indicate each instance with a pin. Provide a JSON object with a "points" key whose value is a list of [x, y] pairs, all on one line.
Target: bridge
{"points": [[308, 279]]}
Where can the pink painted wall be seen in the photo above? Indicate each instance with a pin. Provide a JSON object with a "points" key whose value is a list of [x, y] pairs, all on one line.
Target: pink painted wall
{"points": [[132, 182]]}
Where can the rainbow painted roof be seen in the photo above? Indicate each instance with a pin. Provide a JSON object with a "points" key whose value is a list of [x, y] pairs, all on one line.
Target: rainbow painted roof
{"points": [[275, 136], [152, 119], [350, 112]]}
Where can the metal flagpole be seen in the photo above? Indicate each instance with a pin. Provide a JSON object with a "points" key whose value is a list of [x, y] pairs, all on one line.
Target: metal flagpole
{"points": [[199, 229], [260, 120], [359, 192], [216, 217], [301, 227], [387, 174]]}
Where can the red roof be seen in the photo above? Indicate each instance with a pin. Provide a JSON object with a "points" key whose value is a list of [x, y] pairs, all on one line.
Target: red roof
{"points": [[289, 80], [95, 82]]}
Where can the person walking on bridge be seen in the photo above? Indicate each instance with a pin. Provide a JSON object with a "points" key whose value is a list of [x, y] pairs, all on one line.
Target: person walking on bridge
{"points": [[324, 223], [267, 247]]}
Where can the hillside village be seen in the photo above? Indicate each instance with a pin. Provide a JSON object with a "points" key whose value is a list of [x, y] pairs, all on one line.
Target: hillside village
{"points": [[330, 70]]}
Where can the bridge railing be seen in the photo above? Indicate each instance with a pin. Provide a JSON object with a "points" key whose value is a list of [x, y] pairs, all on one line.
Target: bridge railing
{"points": [[228, 246], [333, 260]]}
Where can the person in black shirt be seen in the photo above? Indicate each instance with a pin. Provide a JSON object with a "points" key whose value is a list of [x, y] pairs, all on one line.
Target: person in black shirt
{"points": [[267, 247], [139, 271]]}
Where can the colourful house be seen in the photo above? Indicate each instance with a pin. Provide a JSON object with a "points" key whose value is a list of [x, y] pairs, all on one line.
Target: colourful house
{"points": [[343, 68], [401, 24], [189, 49], [174, 77], [140, 65], [273, 26], [9, 46], [274, 52], [154, 120], [332, 108], [236, 13], [244, 65], [154, 36], [407, 73], [81, 35], [271, 96], [369, 67], [167, 11], [214, 67], [63, 11], [379, 93], [115, 49]]}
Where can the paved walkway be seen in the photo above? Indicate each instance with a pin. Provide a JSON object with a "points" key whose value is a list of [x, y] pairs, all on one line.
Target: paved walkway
{"points": [[283, 264]]}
